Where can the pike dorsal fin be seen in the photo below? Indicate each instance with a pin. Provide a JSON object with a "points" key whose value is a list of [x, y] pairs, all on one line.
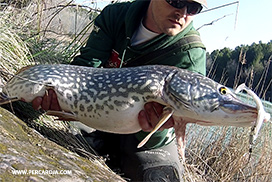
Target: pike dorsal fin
{"points": [[24, 68]]}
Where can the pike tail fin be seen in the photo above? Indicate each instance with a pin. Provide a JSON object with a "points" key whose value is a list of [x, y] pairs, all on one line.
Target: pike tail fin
{"points": [[4, 98]]}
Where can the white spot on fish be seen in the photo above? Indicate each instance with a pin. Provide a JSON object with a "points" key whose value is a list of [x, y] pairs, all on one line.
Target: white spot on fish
{"points": [[135, 86], [153, 88], [64, 79], [130, 85], [122, 90], [94, 91], [113, 90], [103, 93], [146, 84]]}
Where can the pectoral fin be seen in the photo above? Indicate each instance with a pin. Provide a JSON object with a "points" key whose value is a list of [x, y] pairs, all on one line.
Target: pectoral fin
{"points": [[167, 113], [62, 115]]}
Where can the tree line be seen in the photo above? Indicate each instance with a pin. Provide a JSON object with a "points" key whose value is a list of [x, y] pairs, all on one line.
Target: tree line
{"points": [[250, 64]]}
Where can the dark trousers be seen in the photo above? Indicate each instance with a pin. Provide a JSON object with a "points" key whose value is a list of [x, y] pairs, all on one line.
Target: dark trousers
{"points": [[160, 164]]}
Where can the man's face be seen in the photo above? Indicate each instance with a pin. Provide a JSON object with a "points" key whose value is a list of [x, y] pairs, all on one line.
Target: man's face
{"points": [[164, 18]]}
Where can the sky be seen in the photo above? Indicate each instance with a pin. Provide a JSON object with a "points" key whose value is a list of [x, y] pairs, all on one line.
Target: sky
{"points": [[243, 22], [253, 24]]}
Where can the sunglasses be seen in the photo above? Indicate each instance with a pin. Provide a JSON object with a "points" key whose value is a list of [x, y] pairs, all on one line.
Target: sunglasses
{"points": [[193, 8]]}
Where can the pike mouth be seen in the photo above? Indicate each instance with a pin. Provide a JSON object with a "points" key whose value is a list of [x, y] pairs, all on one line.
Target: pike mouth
{"points": [[230, 111], [236, 106]]}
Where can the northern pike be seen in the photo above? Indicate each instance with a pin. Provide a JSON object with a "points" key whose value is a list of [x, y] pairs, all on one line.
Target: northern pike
{"points": [[110, 99]]}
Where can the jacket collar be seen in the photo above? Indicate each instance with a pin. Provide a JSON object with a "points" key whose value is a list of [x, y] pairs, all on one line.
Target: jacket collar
{"points": [[135, 13]]}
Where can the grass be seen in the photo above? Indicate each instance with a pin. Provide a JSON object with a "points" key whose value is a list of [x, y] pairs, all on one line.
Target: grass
{"points": [[222, 154], [14, 53], [33, 35]]}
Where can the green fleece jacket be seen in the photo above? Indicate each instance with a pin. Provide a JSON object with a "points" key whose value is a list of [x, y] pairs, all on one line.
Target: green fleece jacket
{"points": [[109, 45]]}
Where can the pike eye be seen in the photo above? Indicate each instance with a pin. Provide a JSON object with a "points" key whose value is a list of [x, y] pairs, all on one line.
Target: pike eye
{"points": [[223, 90]]}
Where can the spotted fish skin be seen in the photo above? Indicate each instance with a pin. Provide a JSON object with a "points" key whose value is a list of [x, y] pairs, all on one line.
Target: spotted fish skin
{"points": [[94, 95], [110, 99]]}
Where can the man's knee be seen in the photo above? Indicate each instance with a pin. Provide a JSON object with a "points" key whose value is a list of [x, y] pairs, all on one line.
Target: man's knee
{"points": [[161, 173]]}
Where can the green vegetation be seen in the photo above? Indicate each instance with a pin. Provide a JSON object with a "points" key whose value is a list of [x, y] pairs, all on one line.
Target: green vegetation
{"points": [[250, 64], [45, 31]]}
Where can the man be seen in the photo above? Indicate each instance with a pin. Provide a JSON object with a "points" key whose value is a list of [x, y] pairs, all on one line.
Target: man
{"points": [[125, 34]]}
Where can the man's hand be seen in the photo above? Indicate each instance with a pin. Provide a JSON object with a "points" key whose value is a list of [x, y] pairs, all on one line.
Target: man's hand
{"points": [[48, 102], [149, 117]]}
